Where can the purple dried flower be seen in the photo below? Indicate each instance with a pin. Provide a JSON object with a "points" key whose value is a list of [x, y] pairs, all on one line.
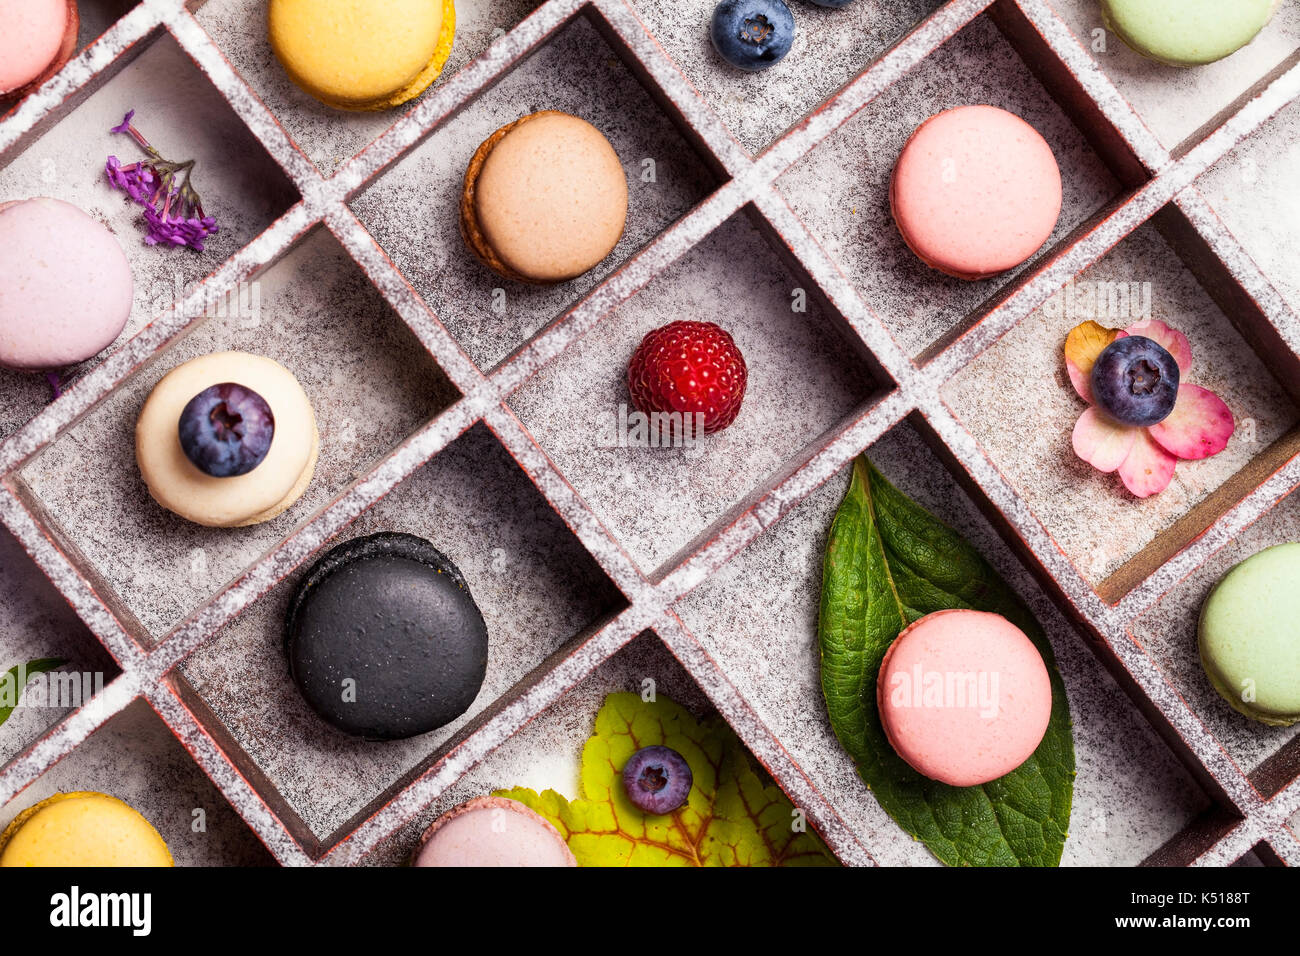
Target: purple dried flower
{"points": [[167, 228], [172, 208], [136, 180]]}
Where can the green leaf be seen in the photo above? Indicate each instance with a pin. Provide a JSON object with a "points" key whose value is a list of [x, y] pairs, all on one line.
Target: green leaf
{"points": [[731, 818], [888, 563], [9, 680]]}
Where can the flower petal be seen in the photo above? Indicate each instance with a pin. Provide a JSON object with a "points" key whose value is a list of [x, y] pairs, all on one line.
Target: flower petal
{"points": [[1198, 427], [1082, 346], [1101, 442], [1148, 469], [1173, 341]]}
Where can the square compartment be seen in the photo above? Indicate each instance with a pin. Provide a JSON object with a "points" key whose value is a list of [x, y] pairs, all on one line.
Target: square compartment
{"points": [[1131, 794], [1253, 189], [327, 136], [413, 208], [1018, 403], [831, 46], [806, 374], [537, 588], [547, 752], [135, 758], [841, 189], [36, 622], [1177, 103], [184, 117], [1168, 633], [369, 380]]}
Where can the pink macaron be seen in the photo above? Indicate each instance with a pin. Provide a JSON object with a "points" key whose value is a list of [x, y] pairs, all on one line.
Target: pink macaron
{"points": [[964, 696], [38, 38], [976, 191], [492, 831], [65, 285]]}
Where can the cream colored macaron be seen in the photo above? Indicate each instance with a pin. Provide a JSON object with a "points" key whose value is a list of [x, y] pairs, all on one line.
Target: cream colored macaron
{"points": [[82, 829], [261, 494], [545, 199]]}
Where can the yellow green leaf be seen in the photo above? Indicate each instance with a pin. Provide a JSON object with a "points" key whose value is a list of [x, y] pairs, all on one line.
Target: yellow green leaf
{"points": [[732, 818]]}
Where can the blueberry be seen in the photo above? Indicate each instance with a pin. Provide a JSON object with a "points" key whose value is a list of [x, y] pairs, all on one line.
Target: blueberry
{"points": [[657, 779], [226, 430], [832, 3], [752, 34], [1135, 381]]}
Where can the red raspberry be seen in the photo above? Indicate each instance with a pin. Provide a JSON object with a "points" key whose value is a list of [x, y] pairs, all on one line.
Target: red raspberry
{"points": [[689, 367]]}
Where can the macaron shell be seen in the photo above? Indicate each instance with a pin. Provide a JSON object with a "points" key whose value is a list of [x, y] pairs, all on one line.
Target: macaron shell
{"points": [[551, 198], [296, 492], [362, 54], [393, 614], [470, 230], [65, 285], [38, 38], [1187, 32], [267, 490], [976, 191], [1249, 635], [82, 829], [986, 738], [493, 831]]}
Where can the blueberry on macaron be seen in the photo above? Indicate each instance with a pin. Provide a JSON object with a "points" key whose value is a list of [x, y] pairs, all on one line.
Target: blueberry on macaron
{"points": [[384, 639], [226, 430], [752, 34], [227, 440]]}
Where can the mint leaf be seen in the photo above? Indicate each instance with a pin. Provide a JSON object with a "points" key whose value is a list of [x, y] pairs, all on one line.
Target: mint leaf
{"points": [[13, 690], [888, 563], [732, 818]]}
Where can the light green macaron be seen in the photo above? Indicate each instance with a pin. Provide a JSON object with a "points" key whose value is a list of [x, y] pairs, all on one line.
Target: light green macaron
{"points": [[1187, 32], [1250, 636]]}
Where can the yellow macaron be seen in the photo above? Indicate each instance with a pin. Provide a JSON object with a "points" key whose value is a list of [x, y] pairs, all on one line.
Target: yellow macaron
{"points": [[362, 54], [82, 829]]}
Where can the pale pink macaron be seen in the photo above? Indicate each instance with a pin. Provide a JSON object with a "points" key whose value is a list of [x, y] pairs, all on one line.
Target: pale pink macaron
{"points": [[976, 191], [65, 285], [492, 831], [964, 696], [37, 38]]}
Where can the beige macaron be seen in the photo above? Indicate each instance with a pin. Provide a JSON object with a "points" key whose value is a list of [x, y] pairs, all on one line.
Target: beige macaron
{"points": [[271, 487], [545, 199]]}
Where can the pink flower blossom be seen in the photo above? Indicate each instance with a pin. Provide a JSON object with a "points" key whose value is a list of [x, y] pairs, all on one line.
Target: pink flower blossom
{"points": [[1199, 425]]}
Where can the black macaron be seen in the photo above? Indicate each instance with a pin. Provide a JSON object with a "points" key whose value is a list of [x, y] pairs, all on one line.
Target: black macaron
{"points": [[384, 639]]}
